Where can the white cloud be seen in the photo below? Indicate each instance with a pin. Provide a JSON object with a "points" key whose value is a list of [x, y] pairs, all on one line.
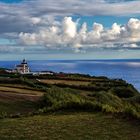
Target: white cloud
{"points": [[35, 20], [68, 35], [133, 45], [69, 27]]}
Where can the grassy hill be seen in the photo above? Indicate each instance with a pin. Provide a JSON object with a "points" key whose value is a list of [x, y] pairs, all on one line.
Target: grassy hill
{"points": [[70, 126], [68, 106]]}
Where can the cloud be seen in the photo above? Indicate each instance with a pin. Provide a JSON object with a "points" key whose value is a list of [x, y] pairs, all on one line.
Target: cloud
{"points": [[68, 35], [88, 7], [118, 1], [38, 22], [33, 14], [11, 49], [69, 27]]}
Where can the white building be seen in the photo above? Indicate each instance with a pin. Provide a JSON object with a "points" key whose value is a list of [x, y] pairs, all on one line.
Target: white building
{"points": [[23, 68]]}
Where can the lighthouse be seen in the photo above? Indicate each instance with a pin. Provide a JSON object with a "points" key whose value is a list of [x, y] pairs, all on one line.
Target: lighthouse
{"points": [[23, 68]]}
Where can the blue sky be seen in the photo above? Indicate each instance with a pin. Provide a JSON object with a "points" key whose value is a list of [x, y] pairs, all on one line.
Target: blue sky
{"points": [[11, 1], [82, 29]]}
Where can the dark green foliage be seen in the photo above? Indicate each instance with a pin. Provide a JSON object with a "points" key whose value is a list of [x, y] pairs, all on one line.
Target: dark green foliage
{"points": [[135, 99], [123, 92], [33, 83], [131, 111]]}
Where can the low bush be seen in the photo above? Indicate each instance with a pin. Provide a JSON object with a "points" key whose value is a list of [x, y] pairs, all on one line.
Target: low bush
{"points": [[135, 99], [130, 111], [106, 98], [108, 109], [58, 99], [123, 92]]}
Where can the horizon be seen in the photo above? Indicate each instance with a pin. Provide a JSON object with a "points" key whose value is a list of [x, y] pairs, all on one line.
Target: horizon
{"points": [[111, 59]]}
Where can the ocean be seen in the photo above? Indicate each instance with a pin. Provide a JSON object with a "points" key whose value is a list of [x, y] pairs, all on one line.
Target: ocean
{"points": [[128, 70]]}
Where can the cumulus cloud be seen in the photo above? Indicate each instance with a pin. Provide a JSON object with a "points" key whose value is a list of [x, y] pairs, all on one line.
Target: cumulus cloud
{"points": [[69, 27], [69, 35], [37, 22]]}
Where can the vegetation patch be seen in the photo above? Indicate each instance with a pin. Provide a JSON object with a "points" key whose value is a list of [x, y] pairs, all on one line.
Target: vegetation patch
{"points": [[124, 92]]}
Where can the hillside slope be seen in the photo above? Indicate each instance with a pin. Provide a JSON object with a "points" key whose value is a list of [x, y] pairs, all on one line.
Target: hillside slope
{"points": [[68, 106]]}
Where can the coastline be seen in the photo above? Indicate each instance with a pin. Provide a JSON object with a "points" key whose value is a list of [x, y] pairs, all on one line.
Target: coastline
{"points": [[127, 69]]}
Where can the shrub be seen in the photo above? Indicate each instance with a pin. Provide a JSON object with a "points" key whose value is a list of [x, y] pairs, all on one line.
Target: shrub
{"points": [[130, 111], [135, 99], [108, 109], [123, 92], [59, 99], [106, 98]]}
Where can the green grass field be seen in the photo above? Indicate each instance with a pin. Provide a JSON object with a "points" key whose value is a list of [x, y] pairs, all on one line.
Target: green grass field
{"points": [[70, 126]]}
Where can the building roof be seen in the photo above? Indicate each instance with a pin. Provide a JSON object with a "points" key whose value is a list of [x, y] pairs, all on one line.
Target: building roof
{"points": [[24, 61], [23, 64]]}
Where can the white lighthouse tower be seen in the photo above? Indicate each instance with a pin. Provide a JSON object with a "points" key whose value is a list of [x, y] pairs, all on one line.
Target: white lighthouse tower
{"points": [[23, 68]]}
